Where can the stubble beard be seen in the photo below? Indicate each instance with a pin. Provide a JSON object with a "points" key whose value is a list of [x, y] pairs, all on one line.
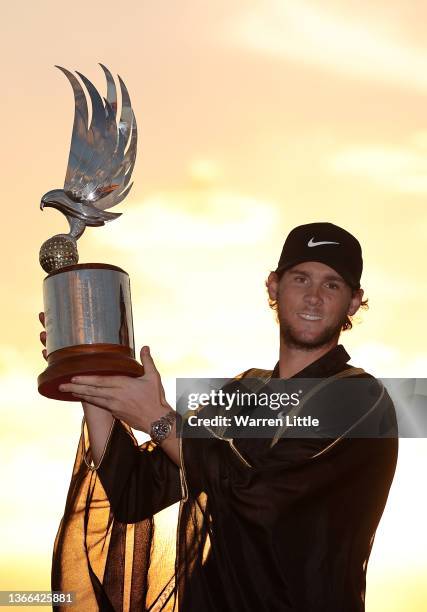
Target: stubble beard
{"points": [[291, 337]]}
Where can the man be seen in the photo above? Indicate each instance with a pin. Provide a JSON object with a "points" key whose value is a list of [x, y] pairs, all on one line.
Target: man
{"points": [[264, 525]]}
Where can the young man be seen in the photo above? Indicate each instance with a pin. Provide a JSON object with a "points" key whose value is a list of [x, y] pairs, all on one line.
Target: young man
{"points": [[264, 525]]}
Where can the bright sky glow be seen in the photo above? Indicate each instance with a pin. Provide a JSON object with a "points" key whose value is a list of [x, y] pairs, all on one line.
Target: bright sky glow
{"points": [[253, 119]]}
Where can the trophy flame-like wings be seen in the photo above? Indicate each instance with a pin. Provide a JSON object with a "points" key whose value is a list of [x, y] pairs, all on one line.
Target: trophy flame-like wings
{"points": [[100, 164]]}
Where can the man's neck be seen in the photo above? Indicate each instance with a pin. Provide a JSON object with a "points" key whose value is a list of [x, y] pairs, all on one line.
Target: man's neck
{"points": [[293, 359]]}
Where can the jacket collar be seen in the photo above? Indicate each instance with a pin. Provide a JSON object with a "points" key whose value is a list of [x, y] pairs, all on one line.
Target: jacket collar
{"points": [[330, 363]]}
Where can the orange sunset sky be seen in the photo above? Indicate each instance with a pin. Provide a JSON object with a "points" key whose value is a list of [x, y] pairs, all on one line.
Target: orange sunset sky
{"points": [[253, 117]]}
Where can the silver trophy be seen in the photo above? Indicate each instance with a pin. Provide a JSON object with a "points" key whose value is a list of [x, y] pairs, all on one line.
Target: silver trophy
{"points": [[88, 311]]}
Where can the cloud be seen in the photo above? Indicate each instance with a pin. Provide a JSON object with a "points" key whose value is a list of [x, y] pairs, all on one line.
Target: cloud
{"points": [[11, 360], [402, 544], [377, 358], [295, 30], [38, 444], [387, 361], [402, 169], [189, 218]]}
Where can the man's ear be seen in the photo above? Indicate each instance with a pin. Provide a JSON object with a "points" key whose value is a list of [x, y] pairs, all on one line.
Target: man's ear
{"points": [[355, 302], [272, 285]]}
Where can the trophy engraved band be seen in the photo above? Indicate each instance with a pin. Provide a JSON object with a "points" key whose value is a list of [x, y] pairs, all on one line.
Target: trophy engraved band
{"points": [[88, 310]]}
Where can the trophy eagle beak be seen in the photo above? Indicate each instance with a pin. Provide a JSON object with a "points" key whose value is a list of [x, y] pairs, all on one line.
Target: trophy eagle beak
{"points": [[47, 200]]}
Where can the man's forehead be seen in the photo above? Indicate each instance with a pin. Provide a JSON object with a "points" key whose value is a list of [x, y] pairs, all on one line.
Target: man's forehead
{"points": [[315, 267]]}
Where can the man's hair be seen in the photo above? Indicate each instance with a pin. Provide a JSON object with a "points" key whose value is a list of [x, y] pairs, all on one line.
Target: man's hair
{"points": [[348, 324]]}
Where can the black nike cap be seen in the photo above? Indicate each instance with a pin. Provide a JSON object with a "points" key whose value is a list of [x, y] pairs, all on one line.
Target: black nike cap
{"points": [[328, 244]]}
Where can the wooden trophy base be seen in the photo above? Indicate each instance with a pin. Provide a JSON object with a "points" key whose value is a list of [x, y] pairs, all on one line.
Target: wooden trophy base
{"points": [[85, 359]]}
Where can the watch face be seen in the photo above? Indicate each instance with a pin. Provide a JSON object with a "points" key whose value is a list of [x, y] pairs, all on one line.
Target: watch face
{"points": [[160, 430]]}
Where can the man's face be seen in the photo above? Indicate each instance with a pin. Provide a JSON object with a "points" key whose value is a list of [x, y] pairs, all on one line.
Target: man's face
{"points": [[313, 303]]}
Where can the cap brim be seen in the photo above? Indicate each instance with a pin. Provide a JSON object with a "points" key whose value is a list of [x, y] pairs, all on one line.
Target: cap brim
{"points": [[340, 269]]}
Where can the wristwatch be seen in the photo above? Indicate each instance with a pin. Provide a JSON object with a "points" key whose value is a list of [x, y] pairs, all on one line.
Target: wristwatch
{"points": [[161, 429]]}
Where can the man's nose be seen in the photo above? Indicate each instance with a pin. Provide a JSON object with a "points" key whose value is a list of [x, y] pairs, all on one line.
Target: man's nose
{"points": [[313, 295]]}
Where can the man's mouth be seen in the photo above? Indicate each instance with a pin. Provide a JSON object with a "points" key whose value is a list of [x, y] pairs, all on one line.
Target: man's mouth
{"points": [[309, 317]]}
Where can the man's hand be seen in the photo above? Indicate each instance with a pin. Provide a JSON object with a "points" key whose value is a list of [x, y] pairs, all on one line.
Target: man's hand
{"points": [[136, 401], [43, 335]]}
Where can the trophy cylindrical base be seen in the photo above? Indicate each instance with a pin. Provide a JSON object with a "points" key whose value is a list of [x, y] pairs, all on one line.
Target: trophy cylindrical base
{"points": [[101, 359]]}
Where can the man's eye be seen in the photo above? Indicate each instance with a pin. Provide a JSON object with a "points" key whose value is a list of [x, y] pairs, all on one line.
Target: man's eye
{"points": [[299, 279], [332, 285]]}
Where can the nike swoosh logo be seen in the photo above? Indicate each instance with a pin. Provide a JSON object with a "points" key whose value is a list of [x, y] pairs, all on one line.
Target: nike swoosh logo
{"points": [[311, 242]]}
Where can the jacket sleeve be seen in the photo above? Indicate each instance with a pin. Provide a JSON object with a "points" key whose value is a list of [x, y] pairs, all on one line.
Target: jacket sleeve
{"points": [[105, 548], [139, 481]]}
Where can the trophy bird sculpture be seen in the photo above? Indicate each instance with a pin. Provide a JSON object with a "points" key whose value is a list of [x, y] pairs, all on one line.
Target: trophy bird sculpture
{"points": [[100, 164]]}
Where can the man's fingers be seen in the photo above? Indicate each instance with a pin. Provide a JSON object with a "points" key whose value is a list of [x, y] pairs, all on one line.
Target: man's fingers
{"points": [[98, 381], [43, 335], [95, 401], [150, 368], [87, 390], [147, 361]]}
